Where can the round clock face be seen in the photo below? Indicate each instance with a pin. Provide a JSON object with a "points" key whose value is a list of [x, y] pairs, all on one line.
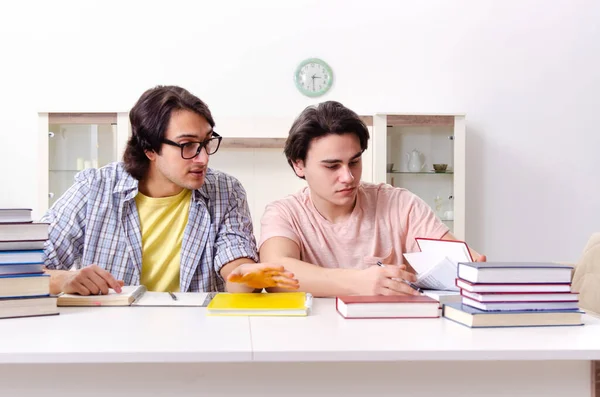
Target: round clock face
{"points": [[313, 77]]}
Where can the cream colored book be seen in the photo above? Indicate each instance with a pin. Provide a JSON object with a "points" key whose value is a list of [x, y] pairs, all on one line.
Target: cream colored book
{"points": [[184, 299], [126, 297]]}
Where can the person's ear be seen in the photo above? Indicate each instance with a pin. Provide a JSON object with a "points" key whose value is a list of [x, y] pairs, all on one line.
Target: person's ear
{"points": [[150, 154], [299, 168]]}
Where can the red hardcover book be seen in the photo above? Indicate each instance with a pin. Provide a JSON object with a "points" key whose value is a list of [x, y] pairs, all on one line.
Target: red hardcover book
{"points": [[380, 306]]}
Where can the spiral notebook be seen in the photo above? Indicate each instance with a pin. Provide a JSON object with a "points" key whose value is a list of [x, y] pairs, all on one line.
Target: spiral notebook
{"points": [[137, 295]]}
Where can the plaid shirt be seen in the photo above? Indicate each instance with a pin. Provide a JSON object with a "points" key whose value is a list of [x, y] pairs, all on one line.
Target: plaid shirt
{"points": [[96, 221]]}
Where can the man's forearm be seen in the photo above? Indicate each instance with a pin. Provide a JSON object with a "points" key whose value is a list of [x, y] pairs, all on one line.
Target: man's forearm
{"points": [[57, 280], [319, 281]]}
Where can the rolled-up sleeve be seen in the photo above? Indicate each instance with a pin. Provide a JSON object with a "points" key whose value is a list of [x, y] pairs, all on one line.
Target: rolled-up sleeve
{"points": [[66, 234], [235, 237]]}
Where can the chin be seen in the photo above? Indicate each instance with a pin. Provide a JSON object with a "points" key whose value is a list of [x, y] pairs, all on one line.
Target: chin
{"points": [[194, 185], [343, 201]]}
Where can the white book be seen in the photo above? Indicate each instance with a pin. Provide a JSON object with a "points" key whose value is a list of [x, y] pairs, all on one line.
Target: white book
{"points": [[14, 215], [443, 296], [522, 297], [17, 245], [523, 288], [515, 272], [23, 231], [519, 306]]}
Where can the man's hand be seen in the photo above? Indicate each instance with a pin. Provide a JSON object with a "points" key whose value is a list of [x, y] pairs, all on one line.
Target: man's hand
{"points": [[91, 280], [376, 280], [263, 275]]}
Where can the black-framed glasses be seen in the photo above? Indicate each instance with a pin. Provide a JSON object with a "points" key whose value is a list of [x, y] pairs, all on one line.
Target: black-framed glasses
{"points": [[189, 150]]}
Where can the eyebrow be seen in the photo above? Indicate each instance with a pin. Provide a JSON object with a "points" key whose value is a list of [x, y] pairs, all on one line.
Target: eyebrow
{"points": [[357, 155], [187, 135]]}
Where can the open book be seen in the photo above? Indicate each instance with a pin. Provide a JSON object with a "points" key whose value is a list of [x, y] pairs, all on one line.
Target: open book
{"points": [[436, 263], [126, 297], [137, 295]]}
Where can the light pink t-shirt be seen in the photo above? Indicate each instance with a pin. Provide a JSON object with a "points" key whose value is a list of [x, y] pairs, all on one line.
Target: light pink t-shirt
{"points": [[382, 226]]}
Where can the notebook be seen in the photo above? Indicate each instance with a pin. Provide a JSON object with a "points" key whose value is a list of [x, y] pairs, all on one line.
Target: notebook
{"points": [[182, 299], [127, 296], [380, 306], [260, 304]]}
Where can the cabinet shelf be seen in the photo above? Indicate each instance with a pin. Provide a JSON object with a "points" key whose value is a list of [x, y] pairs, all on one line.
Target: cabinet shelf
{"points": [[421, 172]]}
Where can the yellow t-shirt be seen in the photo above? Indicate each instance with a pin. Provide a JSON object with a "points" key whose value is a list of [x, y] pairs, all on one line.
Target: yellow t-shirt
{"points": [[163, 221]]}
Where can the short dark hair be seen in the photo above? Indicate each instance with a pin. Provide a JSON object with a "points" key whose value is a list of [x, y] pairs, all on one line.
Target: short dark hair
{"points": [[323, 119], [149, 120]]}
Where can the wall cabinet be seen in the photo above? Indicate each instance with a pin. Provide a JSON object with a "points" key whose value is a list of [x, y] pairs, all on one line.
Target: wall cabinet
{"points": [[403, 151]]}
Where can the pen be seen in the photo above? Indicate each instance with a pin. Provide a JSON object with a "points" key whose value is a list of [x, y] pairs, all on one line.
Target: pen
{"points": [[411, 285], [172, 296]]}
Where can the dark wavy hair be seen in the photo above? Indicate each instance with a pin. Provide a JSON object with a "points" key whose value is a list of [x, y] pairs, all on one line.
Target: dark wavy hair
{"points": [[149, 120], [323, 119]]}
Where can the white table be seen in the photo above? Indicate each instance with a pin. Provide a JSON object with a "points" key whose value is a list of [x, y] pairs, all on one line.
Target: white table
{"points": [[146, 351]]}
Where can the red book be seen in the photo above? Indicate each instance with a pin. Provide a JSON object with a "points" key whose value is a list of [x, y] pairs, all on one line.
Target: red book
{"points": [[380, 306]]}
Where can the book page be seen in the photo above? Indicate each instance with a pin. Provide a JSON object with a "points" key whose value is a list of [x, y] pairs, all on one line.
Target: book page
{"points": [[433, 271], [442, 276], [129, 294], [151, 298]]}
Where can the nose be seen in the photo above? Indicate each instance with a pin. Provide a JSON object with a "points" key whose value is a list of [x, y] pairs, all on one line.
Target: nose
{"points": [[202, 157], [346, 175]]}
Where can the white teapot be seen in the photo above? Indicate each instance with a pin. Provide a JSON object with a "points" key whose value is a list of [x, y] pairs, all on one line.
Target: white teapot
{"points": [[415, 160]]}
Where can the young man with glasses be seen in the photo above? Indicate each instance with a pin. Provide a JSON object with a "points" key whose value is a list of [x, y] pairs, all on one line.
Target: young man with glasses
{"points": [[341, 236], [161, 217]]}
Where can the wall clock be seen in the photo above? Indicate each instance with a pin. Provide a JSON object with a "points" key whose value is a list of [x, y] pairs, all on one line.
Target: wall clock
{"points": [[313, 77]]}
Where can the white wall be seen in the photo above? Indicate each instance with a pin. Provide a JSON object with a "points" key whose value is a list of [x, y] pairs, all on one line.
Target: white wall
{"points": [[525, 73]]}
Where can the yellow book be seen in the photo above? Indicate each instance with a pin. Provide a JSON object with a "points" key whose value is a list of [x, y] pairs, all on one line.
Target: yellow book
{"points": [[260, 304]]}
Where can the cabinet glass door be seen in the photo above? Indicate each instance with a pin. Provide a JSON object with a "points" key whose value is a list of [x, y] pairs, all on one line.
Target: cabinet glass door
{"points": [[420, 158], [75, 147]]}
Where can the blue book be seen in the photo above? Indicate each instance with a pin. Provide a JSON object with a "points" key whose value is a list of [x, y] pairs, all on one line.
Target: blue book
{"points": [[7, 269], [24, 256], [475, 318]]}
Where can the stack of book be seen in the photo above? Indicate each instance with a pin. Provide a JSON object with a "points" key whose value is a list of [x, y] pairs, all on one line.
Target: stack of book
{"points": [[24, 288], [513, 294]]}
